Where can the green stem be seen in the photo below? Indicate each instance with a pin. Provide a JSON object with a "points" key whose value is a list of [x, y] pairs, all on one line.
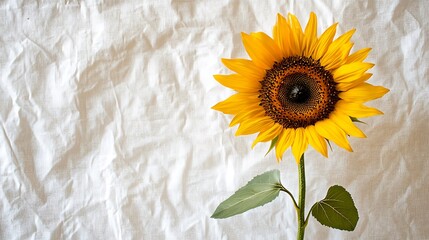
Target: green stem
{"points": [[291, 196], [301, 200]]}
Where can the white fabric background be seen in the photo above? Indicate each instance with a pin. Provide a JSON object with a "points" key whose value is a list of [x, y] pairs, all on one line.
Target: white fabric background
{"points": [[107, 132]]}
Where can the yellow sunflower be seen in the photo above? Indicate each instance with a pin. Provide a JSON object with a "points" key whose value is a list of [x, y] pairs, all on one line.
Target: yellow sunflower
{"points": [[299, 88]]}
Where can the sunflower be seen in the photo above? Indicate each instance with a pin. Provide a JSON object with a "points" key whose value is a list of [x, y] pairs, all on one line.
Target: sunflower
{"points": [[299, 88]]}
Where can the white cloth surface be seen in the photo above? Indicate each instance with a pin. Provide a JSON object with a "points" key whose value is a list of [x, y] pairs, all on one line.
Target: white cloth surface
{"points": [[107, 130]]}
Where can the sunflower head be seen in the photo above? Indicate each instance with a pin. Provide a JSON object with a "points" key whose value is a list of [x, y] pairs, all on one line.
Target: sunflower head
{"points": [[299, 88]]}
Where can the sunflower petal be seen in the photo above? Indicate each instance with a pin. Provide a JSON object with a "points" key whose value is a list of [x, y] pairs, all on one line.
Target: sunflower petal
{"points": [[324, 42], [338, 51], [254, 125], [359, 56], [363, 93], [357, 110], [235, 103], [350, 72], [286, 139], [300, 144], [345, 123], [262, 49], [238, 83], [268, 134], [270, 43], [245, 67], [329, 130], [281, 34], [316, 141], [344, 86], [247, 113], [310, 35], [297, 34], [338, 58]]}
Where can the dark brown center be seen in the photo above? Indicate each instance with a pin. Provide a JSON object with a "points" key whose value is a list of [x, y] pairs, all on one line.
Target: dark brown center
{"points": [[295, 89], [298, 92]]}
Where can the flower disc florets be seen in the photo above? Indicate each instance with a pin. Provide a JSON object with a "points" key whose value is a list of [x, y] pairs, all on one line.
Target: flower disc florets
{"points": [[298, 92]]}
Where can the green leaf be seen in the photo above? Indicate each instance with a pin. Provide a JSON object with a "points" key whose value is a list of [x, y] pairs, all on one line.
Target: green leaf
{"points": [[273, 143], [337, 210], [356, 120], [260, 190]]}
